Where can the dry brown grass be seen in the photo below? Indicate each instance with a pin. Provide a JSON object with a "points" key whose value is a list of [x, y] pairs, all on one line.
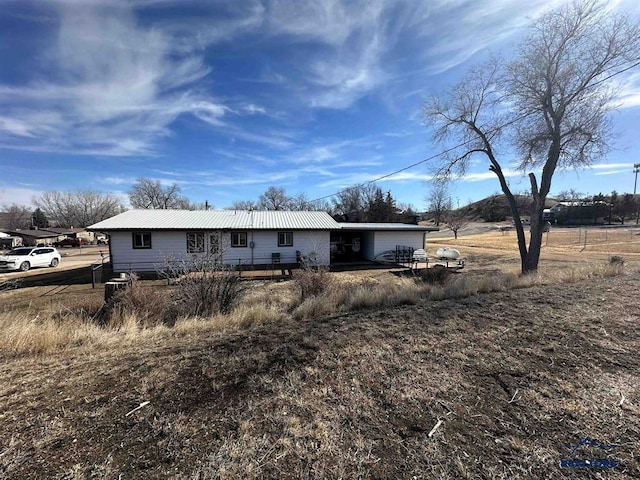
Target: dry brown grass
{"points": [[144, 310], [43, 320], [576, 244]]}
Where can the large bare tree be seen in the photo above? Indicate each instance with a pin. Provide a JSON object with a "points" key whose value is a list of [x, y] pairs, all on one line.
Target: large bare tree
{"points": [[79, 208], [150, 194], [16, 217], [353, 202], [275, 198], [550, 104]]}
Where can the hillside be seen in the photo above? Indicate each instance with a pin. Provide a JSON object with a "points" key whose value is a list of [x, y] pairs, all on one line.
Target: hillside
{"points": [[510, 379], [495, 208]]}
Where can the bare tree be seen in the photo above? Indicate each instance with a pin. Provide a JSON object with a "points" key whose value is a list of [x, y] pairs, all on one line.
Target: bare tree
{"points": [[553, 99], [16, 217], [455, 220], [570, 195], [301, 202], [244, 205], [150, 194], [275, 198], [438, 200], [79, 208], [353, 202]]}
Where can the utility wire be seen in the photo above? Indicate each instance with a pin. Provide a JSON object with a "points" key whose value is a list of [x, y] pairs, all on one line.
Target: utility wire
{"points": [[462, 144]]}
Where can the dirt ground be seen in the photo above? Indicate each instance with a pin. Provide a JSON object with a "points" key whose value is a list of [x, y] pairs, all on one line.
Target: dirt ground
{"points": [[513, 381]]}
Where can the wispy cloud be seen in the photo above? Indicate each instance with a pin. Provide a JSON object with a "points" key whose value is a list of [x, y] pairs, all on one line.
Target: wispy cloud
{"points": [[112, 88], [607, 166], [480, 176], [611, 172]]}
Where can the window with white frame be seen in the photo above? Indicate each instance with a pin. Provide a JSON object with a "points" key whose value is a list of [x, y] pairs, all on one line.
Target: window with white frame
{"points": [[238, 239], [195, 242], [141, 239], [285, 239]]}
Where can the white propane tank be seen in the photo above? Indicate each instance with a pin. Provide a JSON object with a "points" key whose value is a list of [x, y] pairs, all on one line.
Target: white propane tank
{"points": [[446, 252]]}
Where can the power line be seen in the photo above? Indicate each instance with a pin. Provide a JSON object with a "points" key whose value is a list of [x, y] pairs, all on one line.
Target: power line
{"points": [[462, 144]]}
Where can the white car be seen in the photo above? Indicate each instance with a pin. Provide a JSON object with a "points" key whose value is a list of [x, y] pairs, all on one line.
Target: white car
{"points": [[23, 258]]}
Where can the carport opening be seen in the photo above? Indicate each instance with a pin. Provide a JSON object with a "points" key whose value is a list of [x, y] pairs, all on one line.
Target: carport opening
{"points": [[346, 247]]}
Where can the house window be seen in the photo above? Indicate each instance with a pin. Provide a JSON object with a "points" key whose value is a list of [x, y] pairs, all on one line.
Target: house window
{"points": [[239, 239], [141, 239], [285, 239], [195, 242], [214, 244]]}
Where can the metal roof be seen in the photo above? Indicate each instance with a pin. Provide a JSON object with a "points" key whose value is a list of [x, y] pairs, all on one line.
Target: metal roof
{"points": [[217, 220], [33, 233], [388, 226]]}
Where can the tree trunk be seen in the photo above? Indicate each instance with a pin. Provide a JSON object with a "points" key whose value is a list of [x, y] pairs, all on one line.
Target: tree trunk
{"points": [[535, 242], [515, 213]]}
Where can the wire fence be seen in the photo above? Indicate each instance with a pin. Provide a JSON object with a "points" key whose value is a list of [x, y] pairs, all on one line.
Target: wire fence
{"points": [[596, 239]]}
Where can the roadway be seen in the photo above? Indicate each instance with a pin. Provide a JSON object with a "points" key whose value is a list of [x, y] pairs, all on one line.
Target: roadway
{"points": [[74, 266]]}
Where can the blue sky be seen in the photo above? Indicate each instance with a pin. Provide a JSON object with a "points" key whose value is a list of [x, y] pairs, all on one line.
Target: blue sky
{"points": [[228, 98]]}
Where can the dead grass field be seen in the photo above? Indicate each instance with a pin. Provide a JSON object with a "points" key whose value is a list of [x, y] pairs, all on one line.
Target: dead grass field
{"points": [[511, 377], [562, 247]]}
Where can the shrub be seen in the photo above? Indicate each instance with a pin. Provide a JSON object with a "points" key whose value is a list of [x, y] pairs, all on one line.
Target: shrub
{"points": [[434, 275], [203, 286], [202, 294], [616, 260], [311, 282]]}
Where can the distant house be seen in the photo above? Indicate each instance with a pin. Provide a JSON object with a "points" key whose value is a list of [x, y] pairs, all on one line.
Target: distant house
{"points": [[8, 241], [141, 240], [34, 237], [49, 235], [73, 232]]}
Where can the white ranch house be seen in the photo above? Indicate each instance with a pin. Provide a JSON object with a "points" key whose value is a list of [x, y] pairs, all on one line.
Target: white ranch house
{"points": [[142, 240]]}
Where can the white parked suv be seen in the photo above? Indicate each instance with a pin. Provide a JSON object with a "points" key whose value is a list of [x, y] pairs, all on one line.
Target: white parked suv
{"points": [[23, 258]]}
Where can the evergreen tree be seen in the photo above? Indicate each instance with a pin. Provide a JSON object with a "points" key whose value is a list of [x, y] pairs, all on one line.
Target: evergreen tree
{"points": [[39, 219]]}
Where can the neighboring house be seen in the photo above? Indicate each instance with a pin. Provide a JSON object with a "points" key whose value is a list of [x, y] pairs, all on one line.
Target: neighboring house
{"points": [[34, 237], [7, 242], [72, 232], [142, 240], [50, 235]]}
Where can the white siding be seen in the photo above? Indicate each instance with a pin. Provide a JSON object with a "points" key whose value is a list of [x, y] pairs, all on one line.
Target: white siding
{"points": [[388, 240], [266, 242], [173, 245], [125, 258]]}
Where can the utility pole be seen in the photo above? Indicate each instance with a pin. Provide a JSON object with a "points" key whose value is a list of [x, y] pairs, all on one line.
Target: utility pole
{"points": [[636, 169]]}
